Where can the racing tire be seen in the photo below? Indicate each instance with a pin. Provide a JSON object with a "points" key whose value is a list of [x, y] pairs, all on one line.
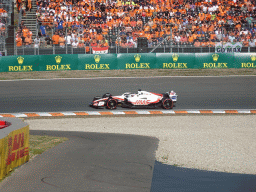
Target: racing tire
{"points": [[167, 104], [111, 104]]}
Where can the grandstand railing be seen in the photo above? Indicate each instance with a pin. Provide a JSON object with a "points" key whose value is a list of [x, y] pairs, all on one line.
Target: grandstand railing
{"points": [[43, 50]]}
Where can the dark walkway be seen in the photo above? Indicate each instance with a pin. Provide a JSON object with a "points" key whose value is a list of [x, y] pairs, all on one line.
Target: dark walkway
{"points": [[88, 162]]}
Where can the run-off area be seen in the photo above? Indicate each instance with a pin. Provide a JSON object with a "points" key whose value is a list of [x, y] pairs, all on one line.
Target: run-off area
{"points": [[224, 143]]}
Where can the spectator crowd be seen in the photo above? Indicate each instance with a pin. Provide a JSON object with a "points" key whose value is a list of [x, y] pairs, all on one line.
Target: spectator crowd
{"points": [[102, 23], [3, 22]]}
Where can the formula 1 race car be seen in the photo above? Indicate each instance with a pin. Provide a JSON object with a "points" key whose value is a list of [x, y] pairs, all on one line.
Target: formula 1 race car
{"points": [[131, 100]]}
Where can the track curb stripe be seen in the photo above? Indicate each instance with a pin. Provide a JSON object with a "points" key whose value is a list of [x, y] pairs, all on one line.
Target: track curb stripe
{"points": [[133, 112]]}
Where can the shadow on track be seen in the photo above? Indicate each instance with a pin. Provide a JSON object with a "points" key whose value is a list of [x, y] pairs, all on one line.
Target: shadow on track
{"points": [[177, 179]]}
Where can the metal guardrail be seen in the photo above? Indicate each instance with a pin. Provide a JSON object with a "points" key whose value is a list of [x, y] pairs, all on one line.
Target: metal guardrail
{"points": [[70, 50]]}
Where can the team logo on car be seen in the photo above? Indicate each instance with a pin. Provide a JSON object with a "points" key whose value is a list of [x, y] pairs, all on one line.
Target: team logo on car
{"points": [[58, 59], [141, 102], [97, 58], [20, 60], [137, 57], [215, 57], [253, 57], [175, 57]]}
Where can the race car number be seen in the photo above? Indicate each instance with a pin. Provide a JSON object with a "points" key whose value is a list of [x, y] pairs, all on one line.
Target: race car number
{"points": [[101, 103]]}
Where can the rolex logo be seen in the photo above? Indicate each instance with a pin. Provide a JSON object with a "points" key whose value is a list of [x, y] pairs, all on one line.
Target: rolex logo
{"points": [[20, 60], [215, 57], [253, 57], [58, 59], [137, 57], [175, 57], [97, 58]]}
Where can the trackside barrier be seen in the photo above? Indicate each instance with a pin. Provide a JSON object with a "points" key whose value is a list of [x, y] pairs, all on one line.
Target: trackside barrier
{"points": [[60, 62], [4, 124], [14, 144]]}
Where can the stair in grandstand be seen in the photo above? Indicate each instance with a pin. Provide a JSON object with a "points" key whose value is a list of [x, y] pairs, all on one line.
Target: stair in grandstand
{"points": [[8, 39], [30, 19]]}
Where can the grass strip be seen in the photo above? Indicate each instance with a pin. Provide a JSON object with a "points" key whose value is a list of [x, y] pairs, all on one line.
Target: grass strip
{"points": [[125, 73]]}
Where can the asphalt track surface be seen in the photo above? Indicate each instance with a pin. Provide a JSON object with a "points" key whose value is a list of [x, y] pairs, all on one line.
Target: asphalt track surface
{"points": [[236, 92], [109, 162]]}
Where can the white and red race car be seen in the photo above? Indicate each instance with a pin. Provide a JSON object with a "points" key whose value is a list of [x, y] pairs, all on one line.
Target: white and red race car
{"points": [[141, 99]]}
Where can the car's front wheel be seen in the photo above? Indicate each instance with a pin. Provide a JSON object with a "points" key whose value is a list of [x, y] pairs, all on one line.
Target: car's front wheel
{"points": [[167, 104], [111, 104]]}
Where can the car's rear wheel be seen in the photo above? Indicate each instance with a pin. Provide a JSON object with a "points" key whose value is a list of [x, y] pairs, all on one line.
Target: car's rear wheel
{"points": [[167, 104], [111, 104]]}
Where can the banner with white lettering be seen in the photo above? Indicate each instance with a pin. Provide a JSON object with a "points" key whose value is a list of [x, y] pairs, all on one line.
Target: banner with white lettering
{"points": [[228, 47], [99, 50]]}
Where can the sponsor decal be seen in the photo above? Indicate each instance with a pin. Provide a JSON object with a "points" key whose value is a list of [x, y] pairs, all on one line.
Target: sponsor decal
{"points": [[228, 47], [97, 58], [141, 102], [215, 65], [99, 50], [175, 57], [97, 66], [19, 67], [175, 65], [16, 148], [58, 67], [137, 65], [137, 57], [20, 60], [58, 59], [215, 58], [250, 64], [253, 58]]}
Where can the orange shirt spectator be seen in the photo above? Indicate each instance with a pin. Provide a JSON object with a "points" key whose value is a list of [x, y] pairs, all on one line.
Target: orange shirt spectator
{"points": [[55, 39], [28, 40], [18, 41], [99, 37], [197, 43], [81, 44], [25, 32], [62, 41]]}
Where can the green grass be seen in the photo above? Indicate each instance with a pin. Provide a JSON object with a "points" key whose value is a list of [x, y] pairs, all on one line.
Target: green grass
{"points": [[39, 144]]}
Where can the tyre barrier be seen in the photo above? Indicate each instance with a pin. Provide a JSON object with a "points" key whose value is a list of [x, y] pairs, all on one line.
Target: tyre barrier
{"points": [[14, 144]]}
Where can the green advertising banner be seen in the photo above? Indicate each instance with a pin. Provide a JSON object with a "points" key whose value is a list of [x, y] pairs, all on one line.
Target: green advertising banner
{"points": [[245, 60], [97, 62], [214, 60], [26, 63], [57, 62], [175, 60], [136, 61], [23, 63]]}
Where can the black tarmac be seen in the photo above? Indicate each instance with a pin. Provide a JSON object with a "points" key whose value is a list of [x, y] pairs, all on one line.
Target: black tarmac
{"points": [[235, 92], [116, 162]]}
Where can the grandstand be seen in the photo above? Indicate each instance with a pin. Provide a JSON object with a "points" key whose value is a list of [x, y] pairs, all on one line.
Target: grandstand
{"points": [[77, 26], [5, 22]]}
